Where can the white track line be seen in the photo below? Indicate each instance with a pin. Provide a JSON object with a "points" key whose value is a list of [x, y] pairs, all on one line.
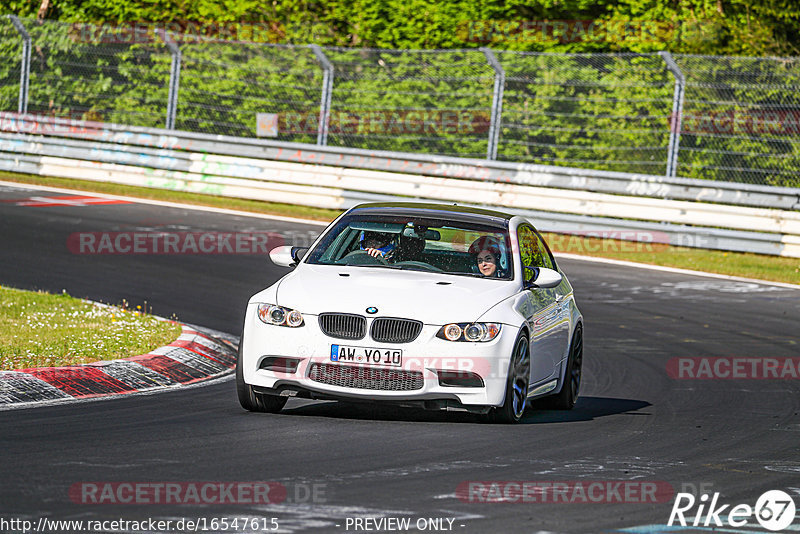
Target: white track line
{"points": [[673, 270], [320, 223], [22, 185]]}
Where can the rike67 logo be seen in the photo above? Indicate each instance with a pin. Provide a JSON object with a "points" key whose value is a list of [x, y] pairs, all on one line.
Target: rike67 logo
{"points": [[774, 510]]}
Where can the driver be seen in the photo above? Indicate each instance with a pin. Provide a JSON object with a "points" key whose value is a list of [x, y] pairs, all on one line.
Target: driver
{"points": [[377, 244]]}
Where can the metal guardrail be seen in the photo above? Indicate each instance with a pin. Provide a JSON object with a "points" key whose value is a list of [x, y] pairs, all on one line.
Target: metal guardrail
{"points": [[443, 166], [223, 169], [726, 216]]}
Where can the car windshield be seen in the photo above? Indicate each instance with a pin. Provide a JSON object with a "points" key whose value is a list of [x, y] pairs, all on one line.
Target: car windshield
{"points": [[418, 244]]}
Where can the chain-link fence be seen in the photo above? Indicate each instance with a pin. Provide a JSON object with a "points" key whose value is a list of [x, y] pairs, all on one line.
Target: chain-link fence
{"points": [[224, 86], [716, 118], [11, 77], [435, 102], [587, 110], [96, 73], [741, 119]]}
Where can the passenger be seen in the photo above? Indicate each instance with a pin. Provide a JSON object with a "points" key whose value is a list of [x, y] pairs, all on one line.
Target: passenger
{"points": [[486, 253], [377, 244]]}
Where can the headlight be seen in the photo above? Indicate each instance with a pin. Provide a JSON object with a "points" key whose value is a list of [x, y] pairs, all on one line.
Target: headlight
{"points": [[452, 332], [469, 331], [279, 316], [294, 319]]}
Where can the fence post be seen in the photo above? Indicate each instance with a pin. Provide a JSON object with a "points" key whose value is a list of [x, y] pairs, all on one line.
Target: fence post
{"points": [[327, 90], [25, 65], [497, 103], [174, 79], [677, 114]]}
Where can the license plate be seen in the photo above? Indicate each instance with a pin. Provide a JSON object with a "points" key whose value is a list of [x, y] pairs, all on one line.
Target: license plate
{"points": [[367, 355]]}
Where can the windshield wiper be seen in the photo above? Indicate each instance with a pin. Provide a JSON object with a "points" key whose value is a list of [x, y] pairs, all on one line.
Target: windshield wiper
{"points": [[413, 268]]}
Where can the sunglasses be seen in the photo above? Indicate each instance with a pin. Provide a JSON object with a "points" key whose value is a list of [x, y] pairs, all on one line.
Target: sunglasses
{"points": [[486, 259]]}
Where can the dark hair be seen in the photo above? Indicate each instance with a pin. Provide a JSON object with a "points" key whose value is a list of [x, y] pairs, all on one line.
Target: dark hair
{"points": [[486, 243]]}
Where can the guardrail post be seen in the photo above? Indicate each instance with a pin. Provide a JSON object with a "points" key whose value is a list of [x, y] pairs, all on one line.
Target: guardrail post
{"points": [[25, 65], [327, 90], [677, 114], [174, 79], [497, 103]]}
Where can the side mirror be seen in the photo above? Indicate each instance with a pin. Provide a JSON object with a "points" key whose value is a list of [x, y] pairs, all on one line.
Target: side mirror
{"points": [[542, 278], [287, 256], [298, 253]]}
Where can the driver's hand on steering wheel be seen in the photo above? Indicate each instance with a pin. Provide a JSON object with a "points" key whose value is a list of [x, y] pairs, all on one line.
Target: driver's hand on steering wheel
{"points": [[374, 252]]}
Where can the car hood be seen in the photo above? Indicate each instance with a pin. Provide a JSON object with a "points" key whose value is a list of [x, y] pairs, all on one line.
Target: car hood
{"points": [[428, 297]]}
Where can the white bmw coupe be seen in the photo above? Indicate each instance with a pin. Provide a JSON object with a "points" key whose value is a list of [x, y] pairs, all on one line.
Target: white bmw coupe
{"points": [[438, 306]]}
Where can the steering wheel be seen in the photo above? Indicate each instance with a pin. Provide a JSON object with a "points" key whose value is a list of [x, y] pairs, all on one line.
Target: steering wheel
{"points": [[362, 257], [420, 265]]}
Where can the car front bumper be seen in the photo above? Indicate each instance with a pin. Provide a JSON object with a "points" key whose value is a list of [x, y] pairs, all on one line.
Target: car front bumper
{"points": [[417, 379]]}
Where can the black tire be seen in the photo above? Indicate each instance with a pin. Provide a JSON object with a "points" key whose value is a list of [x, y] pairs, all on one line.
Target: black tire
{"points": [[566, 398], [519, 372], [249, 399]]}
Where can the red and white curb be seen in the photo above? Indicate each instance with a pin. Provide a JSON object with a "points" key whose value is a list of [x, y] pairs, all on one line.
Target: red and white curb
{"points": [[194, 357]]}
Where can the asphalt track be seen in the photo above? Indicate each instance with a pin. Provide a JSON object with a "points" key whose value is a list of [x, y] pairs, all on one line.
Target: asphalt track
{"points": [[633, 422]]}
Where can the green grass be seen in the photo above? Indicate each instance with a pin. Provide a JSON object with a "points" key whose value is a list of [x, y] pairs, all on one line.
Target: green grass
{"points": [[758, 266], [40, 329]]}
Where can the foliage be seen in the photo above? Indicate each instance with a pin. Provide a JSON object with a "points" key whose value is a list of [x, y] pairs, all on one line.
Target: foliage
{"points": [[768, 27], [11, 51], [599, 111], [586, 108]]}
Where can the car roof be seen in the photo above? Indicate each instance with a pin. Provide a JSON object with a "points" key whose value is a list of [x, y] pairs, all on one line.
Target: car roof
{"points": [[424, 209]]}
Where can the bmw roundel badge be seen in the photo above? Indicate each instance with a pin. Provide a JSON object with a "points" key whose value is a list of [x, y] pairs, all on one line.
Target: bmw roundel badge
{"points": [[372, 310]]}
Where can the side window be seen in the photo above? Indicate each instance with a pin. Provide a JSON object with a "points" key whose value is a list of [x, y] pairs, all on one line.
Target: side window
{"points": [[547, 256], [532, 250]]}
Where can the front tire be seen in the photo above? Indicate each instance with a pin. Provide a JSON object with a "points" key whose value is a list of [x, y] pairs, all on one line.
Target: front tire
{"points": [[519, 372], [249, 399], [566, 398]]}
